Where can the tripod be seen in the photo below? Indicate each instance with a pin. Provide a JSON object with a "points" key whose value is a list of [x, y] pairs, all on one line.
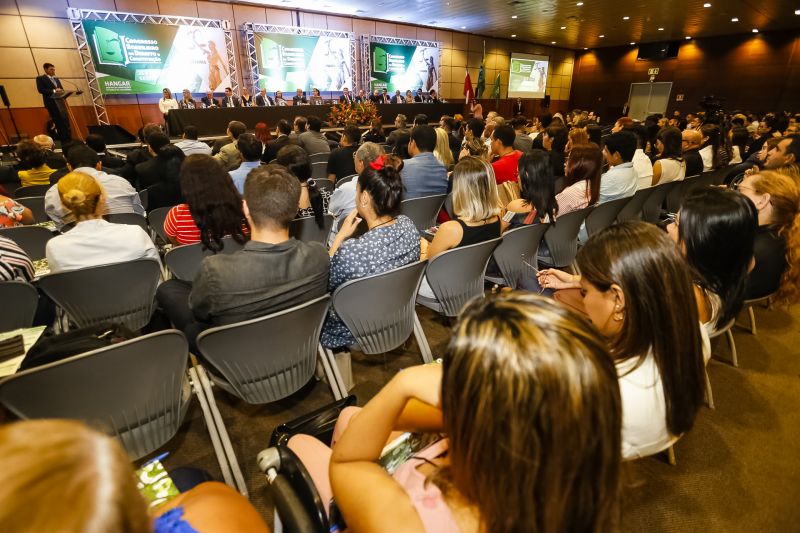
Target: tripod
{"points": [[4, 98]]}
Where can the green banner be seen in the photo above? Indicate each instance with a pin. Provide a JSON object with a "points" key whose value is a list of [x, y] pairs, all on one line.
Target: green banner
{"points": [[134, 58], [290, 62], [403, 67]]}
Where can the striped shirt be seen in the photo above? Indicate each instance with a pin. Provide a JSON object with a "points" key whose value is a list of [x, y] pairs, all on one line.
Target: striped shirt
{"points": [[14, 262], [180, 225], [574, 197]]}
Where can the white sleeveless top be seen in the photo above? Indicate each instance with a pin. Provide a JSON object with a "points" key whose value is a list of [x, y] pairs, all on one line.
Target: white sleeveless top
{"points": [[672, 170]]}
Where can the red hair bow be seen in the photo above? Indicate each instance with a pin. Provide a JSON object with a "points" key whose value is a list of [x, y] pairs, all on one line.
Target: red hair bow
{"points": [[377, 164]]}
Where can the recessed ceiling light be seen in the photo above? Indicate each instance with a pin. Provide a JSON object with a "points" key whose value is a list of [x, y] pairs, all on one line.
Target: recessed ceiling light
{"points": [[579, 4], [706, 5], [513, 16], [513, 34], [585, 48], [797, 11], [552, 42], [601, 36], [688, 38], [660, 29], [735, 19], [755, 30], [563, 27], [632, 44], [626, 18]]}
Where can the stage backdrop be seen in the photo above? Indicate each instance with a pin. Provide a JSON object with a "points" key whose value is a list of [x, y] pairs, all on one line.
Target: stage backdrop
{"points": [[137, 58], [289, 62], [403, 67]]}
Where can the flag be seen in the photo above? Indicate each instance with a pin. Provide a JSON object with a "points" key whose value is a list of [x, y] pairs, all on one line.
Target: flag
{"points": [[481, 86], [496, 88], [468, 92]]}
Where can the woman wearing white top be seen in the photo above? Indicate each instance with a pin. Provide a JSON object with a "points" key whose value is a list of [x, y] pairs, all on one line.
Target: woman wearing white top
{"points": [[637, 290], [167, 102], [93, 241], [670, 165]]}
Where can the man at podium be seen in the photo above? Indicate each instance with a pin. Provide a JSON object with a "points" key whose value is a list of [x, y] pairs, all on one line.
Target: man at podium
{"points": [[48, 86]]}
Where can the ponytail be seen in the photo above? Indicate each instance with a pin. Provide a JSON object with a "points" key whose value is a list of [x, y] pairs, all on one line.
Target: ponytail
{"points": [[317, 205]]}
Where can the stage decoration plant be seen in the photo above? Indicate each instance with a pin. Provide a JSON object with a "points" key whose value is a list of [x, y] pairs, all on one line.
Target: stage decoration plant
{"points": [[353, 114]]}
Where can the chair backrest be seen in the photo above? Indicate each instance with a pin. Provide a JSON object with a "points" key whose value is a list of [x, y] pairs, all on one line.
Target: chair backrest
{"points": [[319, 170], [155, 220], [120, 292], [32, 239], [184, 261], [346, 179], [144, 198], [604, 215], [562, 237], [133, 390], [306, 229], [633, 209], [651, 210], [267, 358], [324, 183], [456, 276], [131, 219], [31, 190], [297, 501], [36, 205], [516, 255], [24, 298], [422, 211], [319, 157], [379, 310]]}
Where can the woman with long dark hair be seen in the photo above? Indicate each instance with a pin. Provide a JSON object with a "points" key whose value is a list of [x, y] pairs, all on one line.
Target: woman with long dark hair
{"points": [[584, 167], [738, 138], [670, 165], [313, 200], [537, 200], [516, 358], [715, 229], [375, 133], [712, 151], [659, 348], [213, 207]]}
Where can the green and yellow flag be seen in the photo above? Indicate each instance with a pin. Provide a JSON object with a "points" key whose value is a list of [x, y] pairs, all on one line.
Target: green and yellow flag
{"points": [[481, 86], [496, 88]]}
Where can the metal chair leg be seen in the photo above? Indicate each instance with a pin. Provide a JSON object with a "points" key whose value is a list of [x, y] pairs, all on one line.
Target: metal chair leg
{"points": [[332, 373], [732, 344], [752, 320], [709, 393], [422, 341], [671, 456]]}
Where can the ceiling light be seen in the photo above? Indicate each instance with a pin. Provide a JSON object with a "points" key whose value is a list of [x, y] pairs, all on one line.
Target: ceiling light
{"points": [[706, 5], [552, 42], [513, 16], [585, 48], [688, 38], [601, 36], [735, 19], [755, 30], [513, 34], [563, 27], [797, 11], [626, 18], [579, 4], [660, 29], [633, 44]]}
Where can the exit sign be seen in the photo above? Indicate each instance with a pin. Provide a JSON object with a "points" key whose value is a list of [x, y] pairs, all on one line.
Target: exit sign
{"points": [[652, 72]]}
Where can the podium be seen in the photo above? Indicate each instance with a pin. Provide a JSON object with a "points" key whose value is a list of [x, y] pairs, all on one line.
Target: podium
{"points": [[65, 111]]}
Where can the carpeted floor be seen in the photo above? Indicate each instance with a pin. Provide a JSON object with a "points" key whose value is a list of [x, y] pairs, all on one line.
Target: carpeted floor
{"points": [[737, 470]]}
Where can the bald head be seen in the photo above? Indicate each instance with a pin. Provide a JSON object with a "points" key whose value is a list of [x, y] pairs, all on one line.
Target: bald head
{"points": [[44, 141], [692, 139]]}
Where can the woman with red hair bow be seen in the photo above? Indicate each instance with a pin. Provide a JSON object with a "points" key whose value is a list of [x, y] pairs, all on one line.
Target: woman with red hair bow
{"points": [[391, 240]]}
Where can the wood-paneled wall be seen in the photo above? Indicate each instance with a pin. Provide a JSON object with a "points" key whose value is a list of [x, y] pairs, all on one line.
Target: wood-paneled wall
{"points": [[36, 31], [755, 72]]}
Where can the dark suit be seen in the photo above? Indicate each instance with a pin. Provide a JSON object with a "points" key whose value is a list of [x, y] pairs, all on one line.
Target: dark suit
{"points": [[262, 101], [346, 99], [419, 98], [385, 98], [272, 148], [362, 99], [297, 100], [519, 109], [209, 103], [398, 99], [45, 86], [375, 99], [455, 145], [232, 101]]}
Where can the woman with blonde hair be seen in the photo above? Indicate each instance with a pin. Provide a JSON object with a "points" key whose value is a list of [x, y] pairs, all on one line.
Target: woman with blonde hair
{"points": [[93, 241], [60, 475], [575, 137], [545, 408], [777, 242], [442, 151]]}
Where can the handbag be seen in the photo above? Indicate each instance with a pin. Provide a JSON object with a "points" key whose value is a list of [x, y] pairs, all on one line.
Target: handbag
{"points": [[51, 347], [319, 423]]}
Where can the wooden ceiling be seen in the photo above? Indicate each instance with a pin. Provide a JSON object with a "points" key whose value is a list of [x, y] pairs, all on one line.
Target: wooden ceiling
{"points": [[571, 23]]}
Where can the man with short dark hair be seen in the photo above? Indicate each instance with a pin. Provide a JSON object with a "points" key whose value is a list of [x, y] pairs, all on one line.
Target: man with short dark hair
{"points": [[448, 124], [149, 172], [420, 120], [251, 149], [362, 97], [190, 145], [96, 143], [229, 100], [419, 97], [620, 180], [522, 140], [506, 168], [433, 98], [229, 155], [49, 87], [283, 137], [273, 272], [398, 98], [340, 162], [423, 174], [120, 196], [346, 97], [312, 140], [786, 152], [400, 130]]}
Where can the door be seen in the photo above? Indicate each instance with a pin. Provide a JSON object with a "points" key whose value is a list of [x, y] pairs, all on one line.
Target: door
{"points": [[648, 99]]}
